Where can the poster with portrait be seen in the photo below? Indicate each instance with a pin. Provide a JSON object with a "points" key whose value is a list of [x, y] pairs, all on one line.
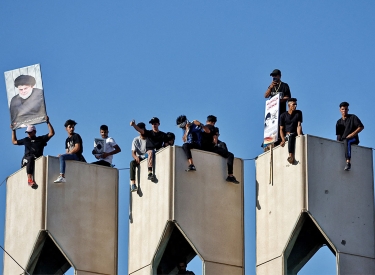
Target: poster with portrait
{"points": [[25, 96], [271, 120], [99, 146]]}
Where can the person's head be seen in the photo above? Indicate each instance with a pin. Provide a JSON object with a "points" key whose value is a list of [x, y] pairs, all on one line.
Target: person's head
{"points": [[276, 75], [69, 126], [211, 119], [344, 108], [267, 119], [181, 121], [155, 122], [25, 85], [104, 131], [170, 139], [30, 131], [142, 126], [292, 104], [181, 265]]}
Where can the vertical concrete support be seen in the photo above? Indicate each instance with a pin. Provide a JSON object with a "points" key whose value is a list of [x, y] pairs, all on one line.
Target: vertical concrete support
{"points": [[206, 211], [315, 202], [75, 221]]}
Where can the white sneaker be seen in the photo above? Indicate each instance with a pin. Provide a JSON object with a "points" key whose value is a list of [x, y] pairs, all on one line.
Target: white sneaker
{"points": [[60, 179]]}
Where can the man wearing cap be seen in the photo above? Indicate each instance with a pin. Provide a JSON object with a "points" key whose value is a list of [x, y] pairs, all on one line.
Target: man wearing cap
{"points": [[191, 136], [290, 127], [280, 88], [73, 148], [28, 104], [34, 146], [138, 154], [347, 129], [155, 140]]}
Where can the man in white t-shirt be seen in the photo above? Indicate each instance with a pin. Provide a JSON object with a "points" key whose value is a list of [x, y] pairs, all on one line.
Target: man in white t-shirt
{"points": [[111, 148], [138, 153]]}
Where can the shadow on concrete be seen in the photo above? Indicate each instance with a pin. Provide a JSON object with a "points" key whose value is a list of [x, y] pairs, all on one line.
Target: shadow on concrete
{"points": [[47, 257]]}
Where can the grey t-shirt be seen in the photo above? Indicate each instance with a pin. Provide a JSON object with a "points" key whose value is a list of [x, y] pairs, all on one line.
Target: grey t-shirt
{"points": [[139, 146]]}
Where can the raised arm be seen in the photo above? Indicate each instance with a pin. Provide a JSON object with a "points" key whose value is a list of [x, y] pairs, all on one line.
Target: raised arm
{"points": [[205, 128], [14, 136], [51, 132], [132, 123]]}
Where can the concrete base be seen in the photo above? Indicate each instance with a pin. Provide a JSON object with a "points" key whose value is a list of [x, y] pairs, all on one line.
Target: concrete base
{"points": [[64, 224]]}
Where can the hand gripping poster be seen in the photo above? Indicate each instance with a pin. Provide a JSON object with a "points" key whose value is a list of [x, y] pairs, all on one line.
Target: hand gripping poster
{"points": [[271, 120], [25, 96]]}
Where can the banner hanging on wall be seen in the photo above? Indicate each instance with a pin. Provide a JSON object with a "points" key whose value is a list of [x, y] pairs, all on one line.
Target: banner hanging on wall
{"points": [[271, 120]]}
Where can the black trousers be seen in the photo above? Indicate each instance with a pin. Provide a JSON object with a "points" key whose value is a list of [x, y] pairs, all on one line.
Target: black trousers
{"points": [[133, 166], [291, 138], [29, 162], [228, 155], [187, 149], [102, 163]]}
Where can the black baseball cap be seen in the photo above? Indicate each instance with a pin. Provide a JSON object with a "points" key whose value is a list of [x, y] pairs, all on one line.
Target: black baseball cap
{"points": [[154, 120], [344, 104], [292, 99], [275, 72]]}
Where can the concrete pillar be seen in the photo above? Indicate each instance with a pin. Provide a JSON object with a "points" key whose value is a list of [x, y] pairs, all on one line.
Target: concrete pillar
{"points": [[312, 203], [57, 226], [187, 214]]}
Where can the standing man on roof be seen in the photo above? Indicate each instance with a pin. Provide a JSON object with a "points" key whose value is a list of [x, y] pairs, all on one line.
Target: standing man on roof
{"points": [[280, 88], [347, 129], [34, 146]]}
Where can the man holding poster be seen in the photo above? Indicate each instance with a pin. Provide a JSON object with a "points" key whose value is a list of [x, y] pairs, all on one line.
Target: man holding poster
{"points": [[25, 96]]}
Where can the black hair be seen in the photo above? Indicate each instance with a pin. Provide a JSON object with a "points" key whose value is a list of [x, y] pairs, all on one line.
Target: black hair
{"points": [[104, 127], [24, 80], [70, 122], [141, 125], [170, 136], [212, 118], [181, 119], [344, 104], [268, 116]]}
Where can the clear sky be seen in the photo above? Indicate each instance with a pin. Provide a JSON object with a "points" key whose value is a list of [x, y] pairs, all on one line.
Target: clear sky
{"points": [[108, 62]]}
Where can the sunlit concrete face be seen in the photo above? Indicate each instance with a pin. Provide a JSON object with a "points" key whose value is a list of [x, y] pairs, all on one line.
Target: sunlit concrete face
{"points": [[339, 203], [207, 210], [80, 216]]}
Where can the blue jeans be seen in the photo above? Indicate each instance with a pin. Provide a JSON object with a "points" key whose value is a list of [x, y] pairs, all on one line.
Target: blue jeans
{"points": [[348, 146], [65, 157]]}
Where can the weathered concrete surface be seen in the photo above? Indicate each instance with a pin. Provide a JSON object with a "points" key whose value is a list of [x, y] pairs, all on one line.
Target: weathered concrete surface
{"points": [[340, 203], [215, 268], [207, 209], [25, 217], [350, 264], [79, 215]]}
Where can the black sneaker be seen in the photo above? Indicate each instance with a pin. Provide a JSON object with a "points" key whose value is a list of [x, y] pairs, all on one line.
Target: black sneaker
{"points": [[34, 186], [191, 168], [347, 166], [232, 179], [150, 176], [133, 188]]}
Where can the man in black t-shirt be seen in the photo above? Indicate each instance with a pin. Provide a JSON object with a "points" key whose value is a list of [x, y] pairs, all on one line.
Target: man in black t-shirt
{"points": [[155, 140], [34, 146], [290, 127], [347, 129], [281, 88], [73, 148]]}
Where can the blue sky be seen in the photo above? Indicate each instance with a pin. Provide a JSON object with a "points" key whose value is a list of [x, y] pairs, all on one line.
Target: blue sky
{"points": [[107, 62]]}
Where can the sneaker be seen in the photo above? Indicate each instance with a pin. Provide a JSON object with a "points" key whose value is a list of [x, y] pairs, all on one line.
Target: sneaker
{"points": [[30, 182], [60, 179], [232, 179], [133, 188], [347, 166], [34, 186], [150, 176], [191, 168]]}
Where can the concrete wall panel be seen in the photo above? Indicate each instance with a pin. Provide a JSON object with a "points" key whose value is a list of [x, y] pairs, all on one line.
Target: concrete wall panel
{"points": [[279, 204], [80, 272], [351, 264], [24, 217], [274, 267], [215, 269], [208, 209], [143, 271], [342, 202], [82, 214], [150, 211]]}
